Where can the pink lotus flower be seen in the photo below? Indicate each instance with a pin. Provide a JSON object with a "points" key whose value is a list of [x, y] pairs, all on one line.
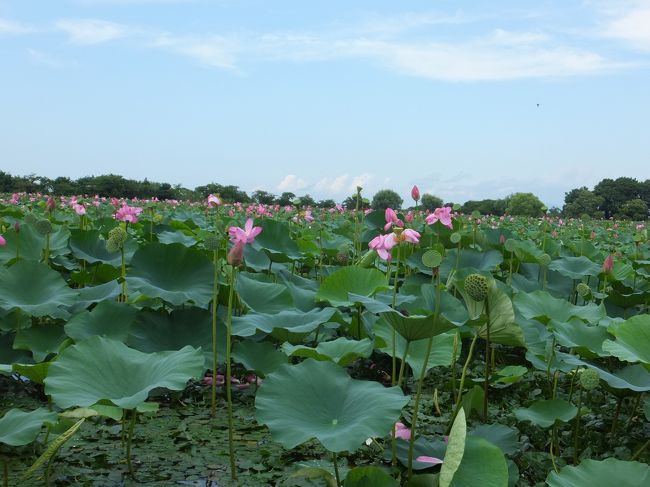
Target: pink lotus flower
{"points": [[391, 219], [79, 209], [409, 217], [128, 213], [245, 235], [415, 193], [3, 242], [382, 244], [410, 236], [441, 214], [608, 264], [401, 431], [213, 201]]}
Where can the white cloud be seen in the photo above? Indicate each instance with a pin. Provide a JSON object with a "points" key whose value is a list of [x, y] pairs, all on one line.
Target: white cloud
{"points": [[213, 50], [12, 27], [92, 31], [336, 185], [631, 26], [43, 59], [292, 183]]}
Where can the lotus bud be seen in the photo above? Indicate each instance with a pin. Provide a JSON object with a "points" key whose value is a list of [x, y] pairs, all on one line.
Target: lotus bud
{"points": [[476, 286], [50, 205], [502, 239], [415, 194], [583, 289], [589, 379], [43, 227], [3, 242], [17, 227], [608, 264], [211, 243], [236, 254]]}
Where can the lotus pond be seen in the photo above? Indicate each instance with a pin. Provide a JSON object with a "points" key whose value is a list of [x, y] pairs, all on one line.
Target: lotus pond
{"points": [[177, 343]]}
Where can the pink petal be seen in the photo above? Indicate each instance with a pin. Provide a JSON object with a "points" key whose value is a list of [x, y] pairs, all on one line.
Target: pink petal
{"points": [[431, 460]]}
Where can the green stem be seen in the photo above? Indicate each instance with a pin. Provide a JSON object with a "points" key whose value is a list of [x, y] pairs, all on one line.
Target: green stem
{"points": [[462, 382], [129, 440], [231, 444], [416, 407], [403, 363], [619, 403], [395, 280], [336, 469], [454, 357], [640, 450], [215, 304], [576, 433], [487, 362], [5, 468], [551, 449], [123, 272]]}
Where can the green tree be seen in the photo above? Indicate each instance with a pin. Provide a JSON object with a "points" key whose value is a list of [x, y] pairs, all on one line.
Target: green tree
{"points": [[386, 198], [326, 203], [635, 209], [6, 182], [430, 202], [615, 192], [485, 207], [263, 197], [581, 201], [286, 198], [525, 204], [307, 200]]}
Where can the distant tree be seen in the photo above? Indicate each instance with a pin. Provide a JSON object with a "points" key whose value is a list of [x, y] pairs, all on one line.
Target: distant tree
{"points": [[263, 197], [430, 202], [307, 200], [635, 209], [581, 201], [485, 207], [351, 202], [6, 182], [525, 204], [386, 198], [326, 204], [64, 186], [615, 192], [229, 193], [286, 198]]}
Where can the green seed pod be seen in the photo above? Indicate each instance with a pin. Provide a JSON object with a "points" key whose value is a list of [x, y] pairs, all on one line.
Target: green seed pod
{"points": [[368, 259], [544, 260], [583, 289], [118, 235], [476, 286], [342, 257], [589, 379], [211, 243], [112, 246], [43, 227]]}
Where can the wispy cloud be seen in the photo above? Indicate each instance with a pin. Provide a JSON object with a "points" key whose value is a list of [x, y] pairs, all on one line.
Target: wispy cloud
{"points": [[92, 31], [630, 22], [12, 27], [213, 50], [292, 183], [43, 59]]}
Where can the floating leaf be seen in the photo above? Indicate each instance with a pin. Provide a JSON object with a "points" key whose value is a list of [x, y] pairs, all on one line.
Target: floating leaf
{"points": [[545, 413]]}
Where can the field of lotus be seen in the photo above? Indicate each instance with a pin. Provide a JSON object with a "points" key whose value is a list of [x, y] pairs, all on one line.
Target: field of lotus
{"points": [[179, 343]]}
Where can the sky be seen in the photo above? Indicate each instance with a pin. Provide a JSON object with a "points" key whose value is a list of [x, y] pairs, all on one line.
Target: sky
{"points": [[466, 99]]}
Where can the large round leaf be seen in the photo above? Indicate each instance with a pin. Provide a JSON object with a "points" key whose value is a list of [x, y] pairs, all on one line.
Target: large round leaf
{"points": [[632, 340], [338, 411], [20, 428], [356, 280], [36, 289], [575, 267], [542, 306], [605, 473], [108, 318], [276, 241], [263, 297], [173, 273], [40, 339], [418, 327], [259, 357], [103, 369], [545, 413], [90, 246], [483, 464], [341, 351], [292, 321]]}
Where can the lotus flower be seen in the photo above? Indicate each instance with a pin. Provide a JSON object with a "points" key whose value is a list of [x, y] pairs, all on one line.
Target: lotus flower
{"points": [[441, 214], [608, 264], [236, 254], [128, 213], [401, 431], [213, 201], [431, 460], [391, 219], [3, 242], [409, 235], [245, 235], [415, 193], [382, 244]]}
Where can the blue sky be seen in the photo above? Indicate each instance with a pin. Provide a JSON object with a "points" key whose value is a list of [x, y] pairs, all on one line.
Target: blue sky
{"points": [[317, 97]]}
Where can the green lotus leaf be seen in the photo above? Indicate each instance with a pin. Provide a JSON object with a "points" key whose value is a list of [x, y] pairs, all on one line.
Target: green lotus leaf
{"points": [[35, 289], [292, 321], [30, 244], [356, 280], [168, 237], [442, 348], [341, 351], [545, 413], [414, 328], [41, 340], [483, 464], [604, 473], [544, 307], [172, 273], [337, 410], [103, 369], [632, 340], [260, 357], [506, 438], [20, 428], [34, 372], [90, 246], [94, 294], [263, 297], [575, 267], [275, 240], [503, 328], [633, 377], [159, 331], [576, 334], [369, 477], [109, 318], [471, 259], [455, 449]]}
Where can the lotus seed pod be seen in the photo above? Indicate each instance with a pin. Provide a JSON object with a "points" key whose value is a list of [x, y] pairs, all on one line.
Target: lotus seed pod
{"points": [[589, 379], [211, 243], [43, 227], [118, 235], [544, 260], [583, 289], [112, 246], [342, 257], [476, 286]]}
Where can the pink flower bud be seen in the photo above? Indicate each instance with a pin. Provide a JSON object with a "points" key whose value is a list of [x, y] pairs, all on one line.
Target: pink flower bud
{"points": [[236, 254], [415, 193], [3, 242], [608, 265], [50, 205], [17, 227]]}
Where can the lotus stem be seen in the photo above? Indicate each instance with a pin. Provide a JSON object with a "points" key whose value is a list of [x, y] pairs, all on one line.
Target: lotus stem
{"points": [[487, 362], [129, 441], [5, 468], [215, 304], [551, 449], [619, 403], [403, 363], [454, 357], [462, 382], [576, 433], [416, 407], [231, 444], [336, 469], [640, 450], [395, 279]]}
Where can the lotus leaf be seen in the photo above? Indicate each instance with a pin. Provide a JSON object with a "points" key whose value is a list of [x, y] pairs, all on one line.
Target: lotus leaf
{"points": [[356, 280], [104, 369], [605, 473], [545, 413], [337, 410], [20, 428]]}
